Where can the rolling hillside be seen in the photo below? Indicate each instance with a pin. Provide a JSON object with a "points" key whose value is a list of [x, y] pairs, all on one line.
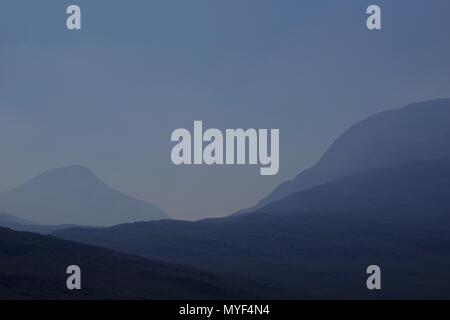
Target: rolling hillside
{"points": [[318, 242], [33, 267]]}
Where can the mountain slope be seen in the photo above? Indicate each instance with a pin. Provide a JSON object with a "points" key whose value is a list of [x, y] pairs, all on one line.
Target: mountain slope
{"points": [[74, 195], [9, 218], [414, 190], [419, 131], [318, 242], [34, 267]]}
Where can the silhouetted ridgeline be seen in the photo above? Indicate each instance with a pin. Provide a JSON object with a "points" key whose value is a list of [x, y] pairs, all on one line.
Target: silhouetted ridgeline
{"points": [[420, 131], [318, 242], [74, 195]]}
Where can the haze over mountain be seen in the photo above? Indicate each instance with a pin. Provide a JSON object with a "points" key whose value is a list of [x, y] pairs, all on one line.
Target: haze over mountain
{"points": [[9, 218], [380, 195], [310, 68], [419, 131], [74, 195], [34, 267], [318, 242], [12, 222]]}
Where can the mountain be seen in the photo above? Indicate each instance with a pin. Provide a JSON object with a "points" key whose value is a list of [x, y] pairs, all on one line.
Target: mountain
{"points": [[34, 267], [9, 218], [317, 243], [419, 131], [74, 195]]}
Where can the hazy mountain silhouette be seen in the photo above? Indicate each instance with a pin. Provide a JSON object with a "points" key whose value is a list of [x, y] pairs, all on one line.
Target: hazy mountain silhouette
{"points": [[9, 218], [34, 267], [318, 242], [74, 195], [420, 131]]}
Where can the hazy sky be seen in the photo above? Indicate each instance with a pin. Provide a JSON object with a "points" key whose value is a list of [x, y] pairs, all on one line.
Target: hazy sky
{"points": [[109, 97]]}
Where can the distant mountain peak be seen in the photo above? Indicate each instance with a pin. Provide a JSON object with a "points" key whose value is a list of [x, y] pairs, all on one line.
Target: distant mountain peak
{"points": [[68, 171], [75, 195], [73, 178], [73, 168]]}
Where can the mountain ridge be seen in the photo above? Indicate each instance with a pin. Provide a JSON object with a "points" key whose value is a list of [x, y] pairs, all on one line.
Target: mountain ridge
{"points": [[417, 131]]}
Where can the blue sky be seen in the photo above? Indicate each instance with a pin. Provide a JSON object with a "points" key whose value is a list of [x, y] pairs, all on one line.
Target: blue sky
{"points": [[109, 97]]}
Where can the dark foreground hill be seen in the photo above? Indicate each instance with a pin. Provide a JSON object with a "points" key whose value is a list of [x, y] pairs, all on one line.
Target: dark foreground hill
{"points": [[34, 266], [74, 195], [318, 243], [417, 132]]}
